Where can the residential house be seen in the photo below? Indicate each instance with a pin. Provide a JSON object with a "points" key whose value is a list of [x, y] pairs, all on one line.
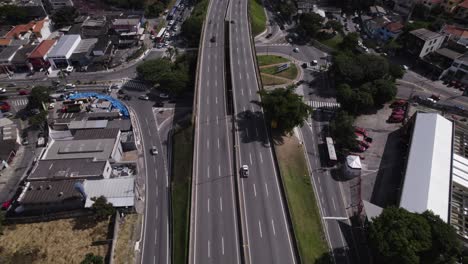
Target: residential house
{"points": [[20, 61], [439, 61], [82, 54], [94, 27], [461, 11], [431, 3], [373, 26], [42, 29], [120, 192], [450, 5], [57, 4], [390, 31], [6, 56], [23, 31], [456, 34], [128, 31], [59, 55], [403, 6], [9, 141], [38, 57], [422, 42], [458, 70], [377, 11]]}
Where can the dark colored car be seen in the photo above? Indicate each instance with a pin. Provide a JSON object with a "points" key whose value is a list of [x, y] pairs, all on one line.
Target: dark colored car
{"points": [[5, 106], [213, 39], [24, 92], [269, 35]]}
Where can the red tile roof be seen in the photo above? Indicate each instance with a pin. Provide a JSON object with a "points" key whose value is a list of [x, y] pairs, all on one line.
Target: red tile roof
{"points": [[464, 4], [41, 50], [39, 25], [19, 29], [455, 31], [394, 26], [4, 41]]}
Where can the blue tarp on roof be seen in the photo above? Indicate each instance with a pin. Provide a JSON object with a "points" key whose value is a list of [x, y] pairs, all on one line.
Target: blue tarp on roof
{"points": [[115, 103]]}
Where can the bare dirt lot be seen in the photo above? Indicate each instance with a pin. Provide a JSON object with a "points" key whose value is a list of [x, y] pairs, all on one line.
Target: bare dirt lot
{"points": [[59, 241]]}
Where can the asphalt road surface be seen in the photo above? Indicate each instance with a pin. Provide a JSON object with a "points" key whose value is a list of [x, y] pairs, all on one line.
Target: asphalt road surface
{"points": [[156, 241], [214, 230], [268, 236]]}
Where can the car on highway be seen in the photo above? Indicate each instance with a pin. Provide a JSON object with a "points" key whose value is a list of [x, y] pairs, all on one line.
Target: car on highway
{"points": [[154, 150], [245, 171], [23, 92], [143, 97], [2, 90], [213, 39], [296, 50]]}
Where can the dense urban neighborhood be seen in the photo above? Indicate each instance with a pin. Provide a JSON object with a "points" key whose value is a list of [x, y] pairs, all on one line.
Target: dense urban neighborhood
{"points": [[249, 131]]}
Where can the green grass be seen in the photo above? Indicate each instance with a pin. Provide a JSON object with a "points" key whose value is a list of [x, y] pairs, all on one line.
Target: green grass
{"points": [[290, 73], [333, 42], [181, 178], [257, 17], [268, 80], [301, 200], [270, 59]]}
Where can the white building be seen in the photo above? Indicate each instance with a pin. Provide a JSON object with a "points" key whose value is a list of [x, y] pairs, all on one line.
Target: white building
{"points": [[59, 55], [428, 171], [459, 201], [423, 42]]}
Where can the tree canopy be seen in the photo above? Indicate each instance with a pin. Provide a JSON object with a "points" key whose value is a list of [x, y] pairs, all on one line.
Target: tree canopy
{"points": [[285, 108], [154, 9], [64, 16], [90, 258], [191, 28], [12, 14], [350, 42], [102, 209], [37, 97], [399, 236], [310, 23], [341, 127]]}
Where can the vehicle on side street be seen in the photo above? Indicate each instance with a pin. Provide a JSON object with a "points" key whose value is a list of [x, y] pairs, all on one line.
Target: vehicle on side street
{"points": [[2, 90], [154, 150], [143, 97], [23, 92], [5, 106], [296, 50], [398, 111], [361, 131], [245, 171], [395, 119], [70, 86], [397, 103]]}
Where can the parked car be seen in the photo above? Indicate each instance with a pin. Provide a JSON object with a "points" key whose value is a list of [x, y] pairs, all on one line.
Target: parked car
{"points": [[8, 114], [2, 90], [398, 111], [5, 106], [24, 92], [213, 39], [397, 103], [143, 97], [435, 97], [296, 50], [361, 131], [269, 35], [395, 119]]}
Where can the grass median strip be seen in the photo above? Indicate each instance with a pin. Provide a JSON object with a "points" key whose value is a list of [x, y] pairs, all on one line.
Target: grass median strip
{"points": [[289, 73], [257, 17], [270, 59], [301, 200], [182, 148]]}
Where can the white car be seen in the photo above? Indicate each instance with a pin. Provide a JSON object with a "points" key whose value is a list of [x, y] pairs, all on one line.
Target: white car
{"points": [[245, 171], [154, 150], [2, 90], [69, 69], [296, 50], [405, 67], [70, 86], [143, 97], [163, 95]]}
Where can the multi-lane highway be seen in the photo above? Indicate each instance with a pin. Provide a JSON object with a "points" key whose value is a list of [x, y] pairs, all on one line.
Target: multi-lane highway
{"points": [[268, 239], [214, 230]]}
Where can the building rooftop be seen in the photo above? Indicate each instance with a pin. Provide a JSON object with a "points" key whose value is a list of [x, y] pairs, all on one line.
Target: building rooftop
{"points": [[125, 21], [464, 4], [95, 22], [428, 173], [460, 170], [425, 34], [39, 25], [22, 54], [20, 29], [63, 46], [67, 169], [86, 45], [8, 52], [42, 49], [96, 133], [42, 192], [394, 26], [118, 191], [451, 54], [87, 124], [122, 124], [100, 149]]}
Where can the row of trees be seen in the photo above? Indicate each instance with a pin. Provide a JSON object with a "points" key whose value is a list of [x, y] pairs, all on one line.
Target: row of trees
{"points": [[399, 236], [175, 77], [191, 28]]}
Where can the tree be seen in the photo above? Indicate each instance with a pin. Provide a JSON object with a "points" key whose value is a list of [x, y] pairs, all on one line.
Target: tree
{"points": [[191, 30], [335, 25], [285, 108], [398, 236], [343, 131], [384, 91], [64, 16], [421, 12], [350, 42], [38, 96], [396, 71], [154, 9], [346, 68], [39, 120], [310, 23], [373, 66], [102, 209], [154, 70], [12, 14], [90, 258]]}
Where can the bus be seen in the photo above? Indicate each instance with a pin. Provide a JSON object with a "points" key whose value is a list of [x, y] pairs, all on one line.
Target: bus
{"points": [[160, 36], [332, 160]]}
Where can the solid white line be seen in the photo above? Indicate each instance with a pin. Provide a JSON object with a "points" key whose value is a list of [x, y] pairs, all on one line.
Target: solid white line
{"points": [[250, 156], [261, 158], [266, 188], [273, 227], [255, 190], [260, 228], [219, 170], [208, 205], [335, 218], [221, 203], [209, 255], [222, 245], [318, 178]]}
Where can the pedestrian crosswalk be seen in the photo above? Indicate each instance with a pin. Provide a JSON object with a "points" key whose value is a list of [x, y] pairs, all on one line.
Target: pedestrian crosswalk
{"points": [[19, 102], [134, 85], [323, 105]]}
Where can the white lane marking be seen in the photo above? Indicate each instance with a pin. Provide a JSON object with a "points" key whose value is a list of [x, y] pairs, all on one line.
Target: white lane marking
{"points": [[157, 191], [208, 205], [222, 245], [238, 62], [320, 187], [266, 188], [146, 121], [221, 203], [217, 119], [261, 158], [216, 100], [218, 143], [255, 190], [207, 143], [260, 228], [208, 83], [256, 132], [219, 170], [240, 76], [208, 171], [273, 227], [247, 75], [242, 91], [216, 83], [333, 201], [157, 212], [154, 259], [250, 157], [318, 178], [209, 255]]}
